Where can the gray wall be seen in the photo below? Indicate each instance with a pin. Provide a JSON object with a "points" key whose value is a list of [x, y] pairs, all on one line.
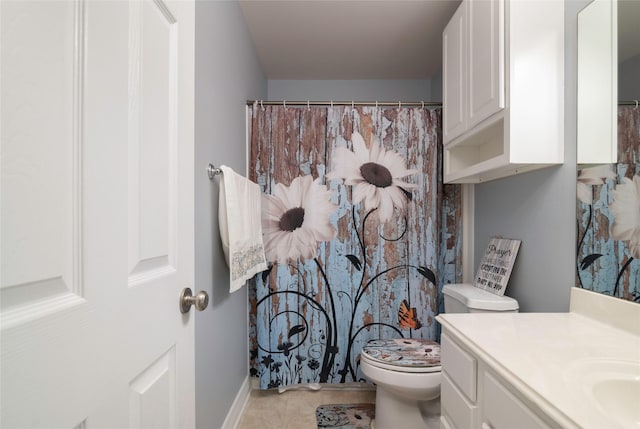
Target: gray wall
{"points": [[227, 73], [436, 86], [348, 90], [539, 209], [629, 79]]}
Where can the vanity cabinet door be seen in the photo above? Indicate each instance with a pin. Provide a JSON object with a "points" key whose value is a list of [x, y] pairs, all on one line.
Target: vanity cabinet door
{"points": [[460, 366], [502, 410], [456, 410]]}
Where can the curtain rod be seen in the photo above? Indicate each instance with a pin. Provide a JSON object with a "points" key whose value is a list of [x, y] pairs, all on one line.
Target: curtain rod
{"points": [[374, 103], [346, 103]]}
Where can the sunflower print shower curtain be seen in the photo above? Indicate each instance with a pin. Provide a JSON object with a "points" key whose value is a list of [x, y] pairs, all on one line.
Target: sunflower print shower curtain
{"points": [[360, 235]]}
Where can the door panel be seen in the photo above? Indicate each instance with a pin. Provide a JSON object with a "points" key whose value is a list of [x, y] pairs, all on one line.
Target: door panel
{"points": [[152, 395], [97, 214], [152, 141], [41, 230]]}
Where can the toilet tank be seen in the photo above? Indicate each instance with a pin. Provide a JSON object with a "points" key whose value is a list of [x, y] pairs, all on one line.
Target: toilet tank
{"points": [[466, 298]]}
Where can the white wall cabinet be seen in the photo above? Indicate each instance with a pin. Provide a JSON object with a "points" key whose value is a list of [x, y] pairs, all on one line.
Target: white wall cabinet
{"points": [[503, 89], [474, 396]]}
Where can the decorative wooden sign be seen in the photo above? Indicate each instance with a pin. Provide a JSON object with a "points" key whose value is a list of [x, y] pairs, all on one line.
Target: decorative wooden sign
{"points": [[496, 265]]}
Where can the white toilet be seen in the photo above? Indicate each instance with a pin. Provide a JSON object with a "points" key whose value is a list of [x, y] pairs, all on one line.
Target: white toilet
{"points": [[407, 371]]}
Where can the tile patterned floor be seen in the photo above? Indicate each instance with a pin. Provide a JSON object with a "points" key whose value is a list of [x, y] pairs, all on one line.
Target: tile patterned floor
{"points": [[295, 409]]}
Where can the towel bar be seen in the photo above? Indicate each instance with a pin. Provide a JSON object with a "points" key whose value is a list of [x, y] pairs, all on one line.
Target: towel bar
{"points": [[213, 171]]}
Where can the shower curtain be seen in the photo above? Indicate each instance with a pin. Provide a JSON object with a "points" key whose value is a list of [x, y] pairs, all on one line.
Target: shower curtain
{"points": [[608, 248], [360, 235]]}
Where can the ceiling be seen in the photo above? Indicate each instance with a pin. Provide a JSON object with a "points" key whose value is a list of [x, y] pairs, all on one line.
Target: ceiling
{"points": [[348, 39], [368, 39]]}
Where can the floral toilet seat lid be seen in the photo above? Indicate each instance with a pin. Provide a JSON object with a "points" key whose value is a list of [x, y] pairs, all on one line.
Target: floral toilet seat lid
{"points": [[406, 352]]}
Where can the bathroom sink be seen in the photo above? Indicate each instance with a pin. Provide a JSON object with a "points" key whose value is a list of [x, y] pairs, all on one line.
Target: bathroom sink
{"points": [[620, 398], [612, 386]]}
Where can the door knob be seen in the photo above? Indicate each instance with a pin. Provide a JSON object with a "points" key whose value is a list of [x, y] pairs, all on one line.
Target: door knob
{"points": [[187, 299]]}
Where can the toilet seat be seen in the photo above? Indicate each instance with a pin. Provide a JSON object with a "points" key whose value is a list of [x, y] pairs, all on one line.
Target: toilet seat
{"points": [[403, 355]]}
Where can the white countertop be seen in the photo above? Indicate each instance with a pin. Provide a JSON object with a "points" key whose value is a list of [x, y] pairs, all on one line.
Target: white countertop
{"points": [[541, 353]]}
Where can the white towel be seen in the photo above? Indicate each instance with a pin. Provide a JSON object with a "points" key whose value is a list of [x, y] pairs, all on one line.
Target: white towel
{"points": [[239, 216]]}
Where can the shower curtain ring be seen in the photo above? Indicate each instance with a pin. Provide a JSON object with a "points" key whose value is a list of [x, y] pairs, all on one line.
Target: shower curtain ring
{"points": [[261, 105], [423, 105], [284, 103], [636, 103], [308, 108]]}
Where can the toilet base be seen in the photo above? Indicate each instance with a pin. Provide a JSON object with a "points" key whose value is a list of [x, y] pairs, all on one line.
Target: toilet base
{"points": [[393, 412]]}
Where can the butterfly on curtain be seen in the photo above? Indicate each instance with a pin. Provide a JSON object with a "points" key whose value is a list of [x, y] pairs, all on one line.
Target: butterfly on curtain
{"points": [[407, 318]]}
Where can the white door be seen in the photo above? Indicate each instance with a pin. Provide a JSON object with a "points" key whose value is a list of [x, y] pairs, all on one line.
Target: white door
{"points": [[97, 214]]}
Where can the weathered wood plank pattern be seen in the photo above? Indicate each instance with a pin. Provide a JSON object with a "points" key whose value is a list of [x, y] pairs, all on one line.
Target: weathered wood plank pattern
{"points": [[310, 318], [605, 264]]}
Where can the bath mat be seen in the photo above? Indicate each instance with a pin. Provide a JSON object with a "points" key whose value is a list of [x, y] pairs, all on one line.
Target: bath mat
{"points": [[345, 416]]}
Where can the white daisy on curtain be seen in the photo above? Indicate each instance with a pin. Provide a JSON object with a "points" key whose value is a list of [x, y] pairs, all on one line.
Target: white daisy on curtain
{"points": [[296, 218], [587, 177], [375, 174], [626, 214]]}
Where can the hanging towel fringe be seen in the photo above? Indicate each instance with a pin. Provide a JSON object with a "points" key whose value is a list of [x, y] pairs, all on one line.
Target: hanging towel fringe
{"points": [[239, 214]]}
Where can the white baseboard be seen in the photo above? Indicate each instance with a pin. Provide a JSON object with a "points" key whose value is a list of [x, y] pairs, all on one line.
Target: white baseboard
{"points": [[238, 406]]}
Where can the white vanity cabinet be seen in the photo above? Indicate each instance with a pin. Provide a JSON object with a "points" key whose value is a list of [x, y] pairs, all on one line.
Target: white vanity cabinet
{"points": [[503, 89], [474, 396], [507, 370]]}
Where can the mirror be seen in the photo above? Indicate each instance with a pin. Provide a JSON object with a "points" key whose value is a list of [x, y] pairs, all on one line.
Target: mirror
{"points": [[608, 182], [629, 50], [597, 83]]}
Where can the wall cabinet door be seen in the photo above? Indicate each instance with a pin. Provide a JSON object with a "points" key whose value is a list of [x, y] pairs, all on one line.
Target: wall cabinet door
{"points": [[473, 65], [486, 59], [454, 81]]}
